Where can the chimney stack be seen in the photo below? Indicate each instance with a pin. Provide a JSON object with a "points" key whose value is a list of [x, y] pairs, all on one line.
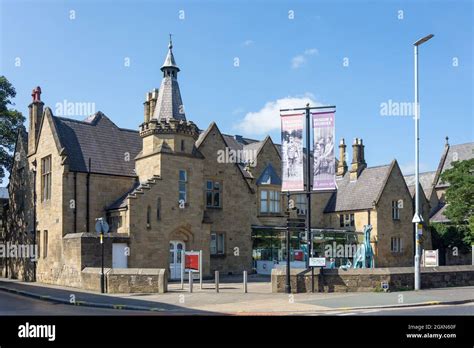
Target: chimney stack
{"points": [[342, 164], [153, 99], [36, 115], [358, 161], [146, 105]]}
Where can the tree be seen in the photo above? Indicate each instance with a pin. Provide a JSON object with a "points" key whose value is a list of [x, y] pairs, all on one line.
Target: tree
{"points": [[459, 231], [460, 193], [10, 121]]}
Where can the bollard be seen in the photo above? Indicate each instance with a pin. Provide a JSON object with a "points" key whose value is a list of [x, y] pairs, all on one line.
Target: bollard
{"points": [[190, 281], [216, 278], [245, 282]]}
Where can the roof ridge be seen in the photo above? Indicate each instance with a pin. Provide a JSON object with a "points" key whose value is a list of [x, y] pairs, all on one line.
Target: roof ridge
{"points": [[92, 123], [469, 142]]}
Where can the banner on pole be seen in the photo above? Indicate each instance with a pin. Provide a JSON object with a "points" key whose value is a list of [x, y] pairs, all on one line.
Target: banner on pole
{"points": [[292, 152], [324, 165]]}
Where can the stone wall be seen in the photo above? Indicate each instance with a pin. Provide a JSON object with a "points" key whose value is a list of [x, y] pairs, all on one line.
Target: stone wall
{"points": [[387, 228], [353, 280], [126, 280]]}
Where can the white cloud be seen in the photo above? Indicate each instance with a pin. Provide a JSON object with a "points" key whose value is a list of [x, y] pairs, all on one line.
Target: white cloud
{"points": [[248, 42], [267, 119], [301, 59], [298, 61], [311, 51]]}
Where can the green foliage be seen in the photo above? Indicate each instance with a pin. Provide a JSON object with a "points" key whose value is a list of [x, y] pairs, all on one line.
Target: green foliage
{"points": [[460, 209], [10, 121], [460, 193], [447, 236]]}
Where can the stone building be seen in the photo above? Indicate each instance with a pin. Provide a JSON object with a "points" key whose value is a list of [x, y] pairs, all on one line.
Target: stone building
{"points": [[171, 186]]}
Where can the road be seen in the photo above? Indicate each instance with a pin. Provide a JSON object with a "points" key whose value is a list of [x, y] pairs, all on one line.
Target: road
{"points": [[442, 310], [12, 304]]}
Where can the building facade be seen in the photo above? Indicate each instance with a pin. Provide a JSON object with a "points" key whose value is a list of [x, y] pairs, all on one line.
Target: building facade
{"points": [[171, 186]]}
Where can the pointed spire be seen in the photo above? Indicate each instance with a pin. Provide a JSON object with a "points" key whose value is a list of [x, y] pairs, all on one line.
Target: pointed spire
{"points": [[169, 60], [168, 103]]}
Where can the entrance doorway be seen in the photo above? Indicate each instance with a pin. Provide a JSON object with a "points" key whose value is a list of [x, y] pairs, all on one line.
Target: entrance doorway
{"points": [[176, 249]]}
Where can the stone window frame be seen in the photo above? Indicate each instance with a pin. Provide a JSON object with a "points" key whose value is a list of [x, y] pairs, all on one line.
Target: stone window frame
{"points": [[396, 244], [347, 217], [213, 191], [38, 243], [148, 217], [45, 244], [395, 211], [300, 204], [268, 189], [185, 183], [46, 178], [217, 251]]}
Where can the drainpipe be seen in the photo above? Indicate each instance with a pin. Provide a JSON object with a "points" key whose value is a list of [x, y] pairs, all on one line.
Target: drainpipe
{"points": [[75, 202], [87, 195], [34, 217]]}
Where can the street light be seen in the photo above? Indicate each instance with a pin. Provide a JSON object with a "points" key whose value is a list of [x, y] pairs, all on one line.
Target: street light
{"points": [[417, 218]]}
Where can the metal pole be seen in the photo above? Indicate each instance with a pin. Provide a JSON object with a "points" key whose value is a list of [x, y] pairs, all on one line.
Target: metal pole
{"points": [[245, 282], [190, 281], [308, 183], [200, 269], [417, 159], [102, 282], [216, 279], [183, 255], [288, 282]]}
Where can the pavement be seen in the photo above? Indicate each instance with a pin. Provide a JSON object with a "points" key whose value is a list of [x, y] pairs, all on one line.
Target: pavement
{"points": [[231, 299]]}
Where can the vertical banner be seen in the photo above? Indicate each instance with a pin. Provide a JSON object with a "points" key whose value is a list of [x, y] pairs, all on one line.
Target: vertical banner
{"points": [[292, 152], [324, 165]]}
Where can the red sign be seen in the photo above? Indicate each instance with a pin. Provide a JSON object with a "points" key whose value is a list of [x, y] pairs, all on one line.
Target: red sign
{"points": [[299, 255], [192, 262]]}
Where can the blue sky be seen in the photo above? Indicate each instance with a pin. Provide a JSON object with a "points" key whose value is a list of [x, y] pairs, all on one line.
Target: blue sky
{"points": [[356, 55]]}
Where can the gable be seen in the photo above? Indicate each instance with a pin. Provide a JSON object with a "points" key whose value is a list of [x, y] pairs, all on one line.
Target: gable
{"points": [[111, 150], [360, 194], [269, 177]]}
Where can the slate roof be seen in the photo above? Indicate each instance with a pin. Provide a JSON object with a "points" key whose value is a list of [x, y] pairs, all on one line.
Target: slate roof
{"points": [[169, 103], [360, 194], [426, 182], [121, 202], [459, 152], [99, 139], [439, 215], [269, 177], [3, 193]]}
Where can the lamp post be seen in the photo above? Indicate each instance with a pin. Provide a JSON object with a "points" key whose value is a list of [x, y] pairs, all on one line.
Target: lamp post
{"points": [[417, 218]]}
